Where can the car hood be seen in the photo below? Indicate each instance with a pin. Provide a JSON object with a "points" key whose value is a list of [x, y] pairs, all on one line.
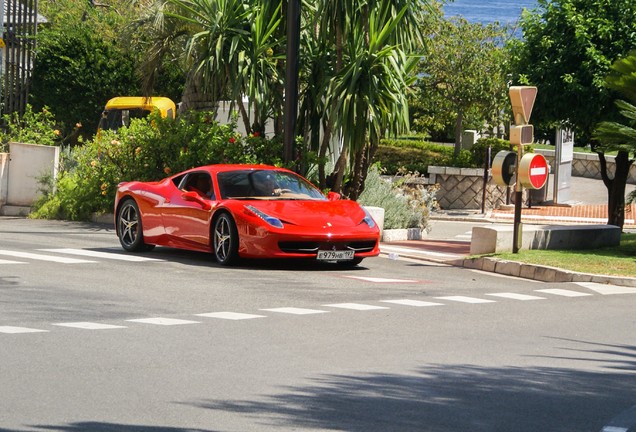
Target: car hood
{"points": [[337, 214]]}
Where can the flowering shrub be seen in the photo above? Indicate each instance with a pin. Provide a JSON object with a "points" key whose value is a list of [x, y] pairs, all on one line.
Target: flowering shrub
{"points": [[30, 128], [149, 149]]}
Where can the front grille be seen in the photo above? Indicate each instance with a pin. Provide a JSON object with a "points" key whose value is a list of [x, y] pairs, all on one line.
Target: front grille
{"points": [[313, 247]]}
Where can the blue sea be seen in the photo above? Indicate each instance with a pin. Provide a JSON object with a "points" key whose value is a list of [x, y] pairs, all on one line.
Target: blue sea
{"points": [[488, 11]]}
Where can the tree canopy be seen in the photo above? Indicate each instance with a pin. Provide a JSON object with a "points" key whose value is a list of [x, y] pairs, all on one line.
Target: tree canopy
{"points": [[462, 76], [566, 51]]}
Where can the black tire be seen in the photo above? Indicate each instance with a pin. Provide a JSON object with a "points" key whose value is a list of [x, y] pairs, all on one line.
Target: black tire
{"points": [[129, 229], [225, 240]]}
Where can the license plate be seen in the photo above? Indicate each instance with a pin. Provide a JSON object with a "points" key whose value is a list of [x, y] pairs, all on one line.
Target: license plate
{"points": [[337, 255]]}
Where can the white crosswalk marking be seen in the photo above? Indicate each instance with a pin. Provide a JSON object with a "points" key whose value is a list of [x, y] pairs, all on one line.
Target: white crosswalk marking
{"points": [[381, 280], [516, 296], [564, 292], [397, 249], [163, 321], [605, 289], [230, 315], [40, 257], [11, 262], [99, 254], [90, 326], [296, 311], [416, 303], [356, 306], [16, 330], [464, 299]]}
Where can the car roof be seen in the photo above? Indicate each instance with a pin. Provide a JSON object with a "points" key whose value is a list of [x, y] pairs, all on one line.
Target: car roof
{"points": [[217, 168]]}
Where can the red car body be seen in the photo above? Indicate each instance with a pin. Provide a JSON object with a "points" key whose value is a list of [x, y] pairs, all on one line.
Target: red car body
{"points": [[233, 220]]}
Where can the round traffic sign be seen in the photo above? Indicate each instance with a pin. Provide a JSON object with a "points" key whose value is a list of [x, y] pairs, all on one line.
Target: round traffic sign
{"points": [[533, 171], [503, 167]]}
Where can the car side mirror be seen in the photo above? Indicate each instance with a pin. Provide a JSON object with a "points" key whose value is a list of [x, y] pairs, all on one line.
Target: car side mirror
{"points": [[195, 197], [333, 196]]}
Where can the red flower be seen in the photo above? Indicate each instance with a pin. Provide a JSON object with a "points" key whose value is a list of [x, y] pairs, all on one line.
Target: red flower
{"points": [[232, 140], [257, 134]]}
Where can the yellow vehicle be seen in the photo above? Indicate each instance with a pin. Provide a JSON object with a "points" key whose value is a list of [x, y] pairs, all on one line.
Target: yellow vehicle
{"points": [[120, 110]]}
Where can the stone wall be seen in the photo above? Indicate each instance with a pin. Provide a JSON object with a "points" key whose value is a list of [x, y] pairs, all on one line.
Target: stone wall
{"points": [[461, 188]]}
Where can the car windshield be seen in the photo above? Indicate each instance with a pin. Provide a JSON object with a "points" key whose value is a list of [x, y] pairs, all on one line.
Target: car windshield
{"points": [[266, 184]]}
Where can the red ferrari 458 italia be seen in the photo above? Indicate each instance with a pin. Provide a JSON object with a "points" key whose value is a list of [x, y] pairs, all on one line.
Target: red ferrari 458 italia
{"points": [[244, 211]]}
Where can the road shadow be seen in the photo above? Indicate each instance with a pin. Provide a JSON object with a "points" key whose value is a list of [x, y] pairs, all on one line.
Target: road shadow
{"points": [[460, 397]]}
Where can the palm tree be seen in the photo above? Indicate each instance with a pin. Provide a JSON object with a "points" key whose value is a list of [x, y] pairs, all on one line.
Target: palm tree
{"points": [[228, 48], [364, 81], [619, 136]]}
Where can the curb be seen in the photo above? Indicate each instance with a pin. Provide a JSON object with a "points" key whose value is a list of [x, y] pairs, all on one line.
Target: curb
{"points": [[537, 272]]}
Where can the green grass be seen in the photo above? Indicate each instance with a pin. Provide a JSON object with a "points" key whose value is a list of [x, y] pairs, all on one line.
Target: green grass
{"points": [[614, 261]]}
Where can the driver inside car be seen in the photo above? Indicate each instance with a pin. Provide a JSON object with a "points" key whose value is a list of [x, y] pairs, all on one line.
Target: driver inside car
{"points": [[202, 186]]}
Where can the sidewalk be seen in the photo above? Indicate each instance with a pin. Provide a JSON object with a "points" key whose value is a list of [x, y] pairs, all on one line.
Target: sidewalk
{"points": [[587, 205]]}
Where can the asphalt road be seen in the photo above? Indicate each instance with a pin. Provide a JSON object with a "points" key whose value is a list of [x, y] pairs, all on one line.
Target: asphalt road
{"points": [[178, 343]]}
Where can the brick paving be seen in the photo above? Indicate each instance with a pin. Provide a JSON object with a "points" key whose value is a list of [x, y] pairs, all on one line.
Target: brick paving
{"points": [[578, 213]]}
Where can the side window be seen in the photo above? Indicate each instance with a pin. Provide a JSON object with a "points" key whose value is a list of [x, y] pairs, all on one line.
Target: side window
{"points": [[201, 183]]}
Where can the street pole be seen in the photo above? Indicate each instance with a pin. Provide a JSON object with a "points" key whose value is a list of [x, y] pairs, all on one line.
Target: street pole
{"points": [[517, 227], [291, 78]]}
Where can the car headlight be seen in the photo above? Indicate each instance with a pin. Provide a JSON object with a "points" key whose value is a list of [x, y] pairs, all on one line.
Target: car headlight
{"points": [[273, 221], [368, 219]]}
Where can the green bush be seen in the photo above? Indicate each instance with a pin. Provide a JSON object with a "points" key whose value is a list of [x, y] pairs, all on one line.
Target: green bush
{"points": [[148, 150], [479, 149], [417, 156], [405, 205], [76, 72], [30, 128]]}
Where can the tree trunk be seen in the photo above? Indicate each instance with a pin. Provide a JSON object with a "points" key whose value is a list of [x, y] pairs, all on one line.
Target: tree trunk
{"points": [[322, 154], [616, 187], [458, 132], [334, 180]]}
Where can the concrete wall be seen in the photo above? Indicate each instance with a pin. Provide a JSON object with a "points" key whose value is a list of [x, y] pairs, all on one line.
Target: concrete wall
{"points": [[4, 178], [21, 170]]}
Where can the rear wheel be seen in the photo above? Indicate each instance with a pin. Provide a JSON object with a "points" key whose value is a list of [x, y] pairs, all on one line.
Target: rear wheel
{"points": [[225, 240], [129, 227]]}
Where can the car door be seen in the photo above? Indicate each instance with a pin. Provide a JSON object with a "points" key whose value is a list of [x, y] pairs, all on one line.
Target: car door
{"points": [[187, 212]]}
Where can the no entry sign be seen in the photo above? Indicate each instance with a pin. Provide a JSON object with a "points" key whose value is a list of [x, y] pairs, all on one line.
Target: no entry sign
{"points": [[533, 171]]}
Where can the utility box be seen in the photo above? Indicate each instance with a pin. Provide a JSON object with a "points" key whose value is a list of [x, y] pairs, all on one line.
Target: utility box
{"points": [[469, 138]]}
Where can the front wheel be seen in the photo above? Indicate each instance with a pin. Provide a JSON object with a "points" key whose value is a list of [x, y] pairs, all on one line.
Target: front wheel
{"points": [[129, 227], [225, 240]]}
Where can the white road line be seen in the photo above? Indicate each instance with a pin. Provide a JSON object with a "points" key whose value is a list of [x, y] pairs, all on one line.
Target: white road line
{"points": [[607, 289], [89, 325], [16, 330], [464, 299], [356, 306], [163, 321], [230, 315], [381, 280], [295, 311], [416, 303], [516, 296], [40, 257], [11, 262], [98, 254], [563, 292], [416, 251]]}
